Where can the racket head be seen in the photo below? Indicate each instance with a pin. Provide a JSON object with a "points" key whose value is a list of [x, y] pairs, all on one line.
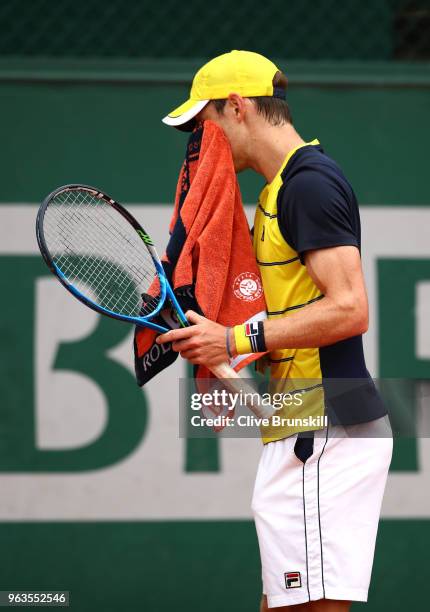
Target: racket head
{"points": [[101, 254]]}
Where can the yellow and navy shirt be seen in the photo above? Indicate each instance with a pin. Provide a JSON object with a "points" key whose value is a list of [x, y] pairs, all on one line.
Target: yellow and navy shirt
{"points": [[310, 205]]}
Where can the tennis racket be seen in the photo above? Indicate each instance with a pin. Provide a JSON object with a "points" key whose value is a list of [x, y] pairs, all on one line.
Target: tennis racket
{"points": [[103, 256]]}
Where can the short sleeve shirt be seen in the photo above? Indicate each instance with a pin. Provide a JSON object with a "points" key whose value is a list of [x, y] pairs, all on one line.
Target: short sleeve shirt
{"points": [[317, 207]]}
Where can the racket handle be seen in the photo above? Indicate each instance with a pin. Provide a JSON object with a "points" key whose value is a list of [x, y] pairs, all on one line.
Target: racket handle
{"points": [[236, 384]]}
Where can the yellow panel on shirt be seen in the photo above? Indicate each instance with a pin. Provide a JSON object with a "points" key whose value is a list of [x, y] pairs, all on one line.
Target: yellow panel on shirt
{"points": [[317, 208], [287, 287]]}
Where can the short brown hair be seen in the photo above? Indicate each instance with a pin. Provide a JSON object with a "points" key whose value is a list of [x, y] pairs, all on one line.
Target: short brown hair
{"points": [[275, 110]]}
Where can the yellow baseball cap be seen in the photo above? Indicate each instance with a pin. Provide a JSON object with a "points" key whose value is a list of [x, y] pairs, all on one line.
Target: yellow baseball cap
{"points": [[243, 72]]}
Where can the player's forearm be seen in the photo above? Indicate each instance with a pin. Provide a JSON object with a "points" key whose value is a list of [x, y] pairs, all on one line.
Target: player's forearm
{"points": [[319, 324]]}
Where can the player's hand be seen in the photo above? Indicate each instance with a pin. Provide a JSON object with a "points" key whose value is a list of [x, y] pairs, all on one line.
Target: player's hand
{"points": [[203, 343]]}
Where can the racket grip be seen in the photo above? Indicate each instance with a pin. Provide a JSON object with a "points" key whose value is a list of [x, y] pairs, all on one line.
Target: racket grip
{"points": [[236, 384]]}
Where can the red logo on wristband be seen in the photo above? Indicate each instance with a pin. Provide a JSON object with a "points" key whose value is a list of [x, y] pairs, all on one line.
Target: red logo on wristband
{"points": [[251, 329], [247, 286]]}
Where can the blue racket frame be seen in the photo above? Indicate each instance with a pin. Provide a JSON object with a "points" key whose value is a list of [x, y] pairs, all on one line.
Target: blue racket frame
{"points": [[166, 291]]}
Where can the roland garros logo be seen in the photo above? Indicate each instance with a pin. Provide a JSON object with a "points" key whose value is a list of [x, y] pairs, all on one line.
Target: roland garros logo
{"points": [[247, 286]]}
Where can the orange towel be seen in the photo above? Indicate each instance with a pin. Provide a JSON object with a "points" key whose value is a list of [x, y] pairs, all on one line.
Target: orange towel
{"points": [[209, 259]]}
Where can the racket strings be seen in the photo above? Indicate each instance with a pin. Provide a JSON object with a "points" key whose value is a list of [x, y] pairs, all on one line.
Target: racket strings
{"points": [[91, 273], [82, 268], [93, 262], [95, 273], [97, 250]]}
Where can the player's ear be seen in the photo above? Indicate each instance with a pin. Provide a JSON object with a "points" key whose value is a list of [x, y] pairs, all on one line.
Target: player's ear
{"points": [[237, 105]]}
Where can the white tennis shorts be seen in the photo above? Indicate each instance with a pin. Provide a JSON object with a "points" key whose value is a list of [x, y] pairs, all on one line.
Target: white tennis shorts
{"points": [[317, 517]]}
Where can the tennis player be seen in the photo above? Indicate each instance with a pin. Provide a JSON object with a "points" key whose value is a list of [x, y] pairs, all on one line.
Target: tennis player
{"points": [[318, 493]]}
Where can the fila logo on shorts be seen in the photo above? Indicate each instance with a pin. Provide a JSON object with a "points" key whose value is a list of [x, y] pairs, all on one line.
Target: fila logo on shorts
{"points": [[293, 580]]}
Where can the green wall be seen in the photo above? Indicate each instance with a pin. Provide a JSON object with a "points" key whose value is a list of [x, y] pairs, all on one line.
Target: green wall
{"points": [[74, 125]]}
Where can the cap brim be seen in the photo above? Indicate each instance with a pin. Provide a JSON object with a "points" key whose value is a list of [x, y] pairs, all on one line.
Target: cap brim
{"points": [[184, 113]]}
